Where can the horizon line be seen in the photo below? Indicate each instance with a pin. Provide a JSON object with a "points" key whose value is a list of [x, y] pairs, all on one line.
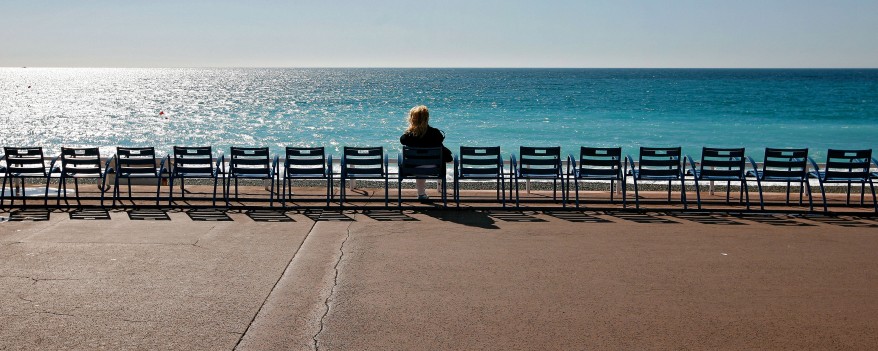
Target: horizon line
{"points": [[427, 67]]}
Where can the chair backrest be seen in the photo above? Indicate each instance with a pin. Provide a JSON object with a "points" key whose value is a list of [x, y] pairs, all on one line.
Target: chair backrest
{"points": [[81, 162], [539, 161], [600, 162], [785, 164], [25, 161], [135, 161], [192, 160], [305, 162], [725, 163], [659, 161], [363, 162], [848, 164], [250, 162], [480, 161], [422, 162]]}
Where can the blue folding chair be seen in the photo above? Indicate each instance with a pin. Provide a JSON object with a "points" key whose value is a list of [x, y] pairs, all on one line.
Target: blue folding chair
{"points": [[21, 163], [542, 163], [302, 163], [481, 163], [78, 163], [138, 163], [251, 163], [724, 165], [845, 167], [364, 163], [659, 164], [597, 163], [783, 166], [194, 162], [421, 163]]}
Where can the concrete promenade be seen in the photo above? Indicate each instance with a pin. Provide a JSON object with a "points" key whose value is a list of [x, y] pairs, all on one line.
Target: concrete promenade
{"points": [[438, 280]]}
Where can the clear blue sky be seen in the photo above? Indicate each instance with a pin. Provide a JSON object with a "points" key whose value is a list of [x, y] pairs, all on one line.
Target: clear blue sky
{"points": [[449, 33]]}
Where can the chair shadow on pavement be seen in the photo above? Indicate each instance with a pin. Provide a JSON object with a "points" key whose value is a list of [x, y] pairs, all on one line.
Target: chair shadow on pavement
{"points": [[478, 219]]}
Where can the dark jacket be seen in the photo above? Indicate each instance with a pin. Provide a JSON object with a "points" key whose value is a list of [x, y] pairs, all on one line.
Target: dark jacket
{"points": [[432, 138]]}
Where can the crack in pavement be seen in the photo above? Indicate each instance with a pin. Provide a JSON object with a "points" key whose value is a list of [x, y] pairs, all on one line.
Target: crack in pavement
{"points": [[55, 313], [290, 263], [316, 344]]}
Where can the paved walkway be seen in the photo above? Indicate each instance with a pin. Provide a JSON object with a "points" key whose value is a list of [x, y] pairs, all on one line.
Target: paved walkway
{"points": [[391, 280]]}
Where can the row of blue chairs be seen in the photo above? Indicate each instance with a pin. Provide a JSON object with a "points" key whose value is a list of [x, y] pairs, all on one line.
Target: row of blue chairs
{"points": [[788, 166]]}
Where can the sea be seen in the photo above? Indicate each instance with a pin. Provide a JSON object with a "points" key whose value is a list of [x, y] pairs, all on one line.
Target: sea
{"points": [[336, 107]]}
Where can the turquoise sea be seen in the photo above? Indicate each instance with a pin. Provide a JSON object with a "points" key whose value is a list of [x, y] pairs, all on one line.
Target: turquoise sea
{"points": [[334, 107]]}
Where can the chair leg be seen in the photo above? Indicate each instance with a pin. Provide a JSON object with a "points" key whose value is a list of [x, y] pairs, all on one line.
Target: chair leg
{"points": [[698, 193], [636, 195], [683, 193], [576, 191], [823, 192], [283, 193], [76, 191], [874, 200], [516, 193], [745, 192], [171, 190], [788, 194], [341, 192], [130, 198], [328, 190], [810, 196], [848, 201], [761, 201], [728, 191], [158, 189], [399, 193]]}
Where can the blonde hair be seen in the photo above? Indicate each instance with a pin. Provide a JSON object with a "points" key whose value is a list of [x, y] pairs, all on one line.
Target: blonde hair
{"points": [[418, 119]]}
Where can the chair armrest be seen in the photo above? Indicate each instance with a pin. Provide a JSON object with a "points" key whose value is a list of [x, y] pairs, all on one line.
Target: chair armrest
{"points": [[274, 163], [115, 159], [107, 168], [328, 166], [220, 165], [52, 165], [628, 160], [691, 165], [875, 162], [753, 165], [386, 165], [571, 164], [816, 172], [162, 169], [513, 165], [502, 167]]}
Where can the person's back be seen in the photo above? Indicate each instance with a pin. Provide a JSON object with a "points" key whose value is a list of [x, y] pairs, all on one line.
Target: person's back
{"points": [[420, 134]]}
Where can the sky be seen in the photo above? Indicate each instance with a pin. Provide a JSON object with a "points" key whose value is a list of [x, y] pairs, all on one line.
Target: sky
{"points": [[448, 33]]}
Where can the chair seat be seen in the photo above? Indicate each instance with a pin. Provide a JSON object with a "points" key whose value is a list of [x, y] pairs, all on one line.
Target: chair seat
{"points": [[27, 175], [636, 174], [581, 175], [250, 176], [761, 176], [138, 175], [193, 175], [822, 176], [538, 176], [698, 175], [305, 176], [478, 176]]}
